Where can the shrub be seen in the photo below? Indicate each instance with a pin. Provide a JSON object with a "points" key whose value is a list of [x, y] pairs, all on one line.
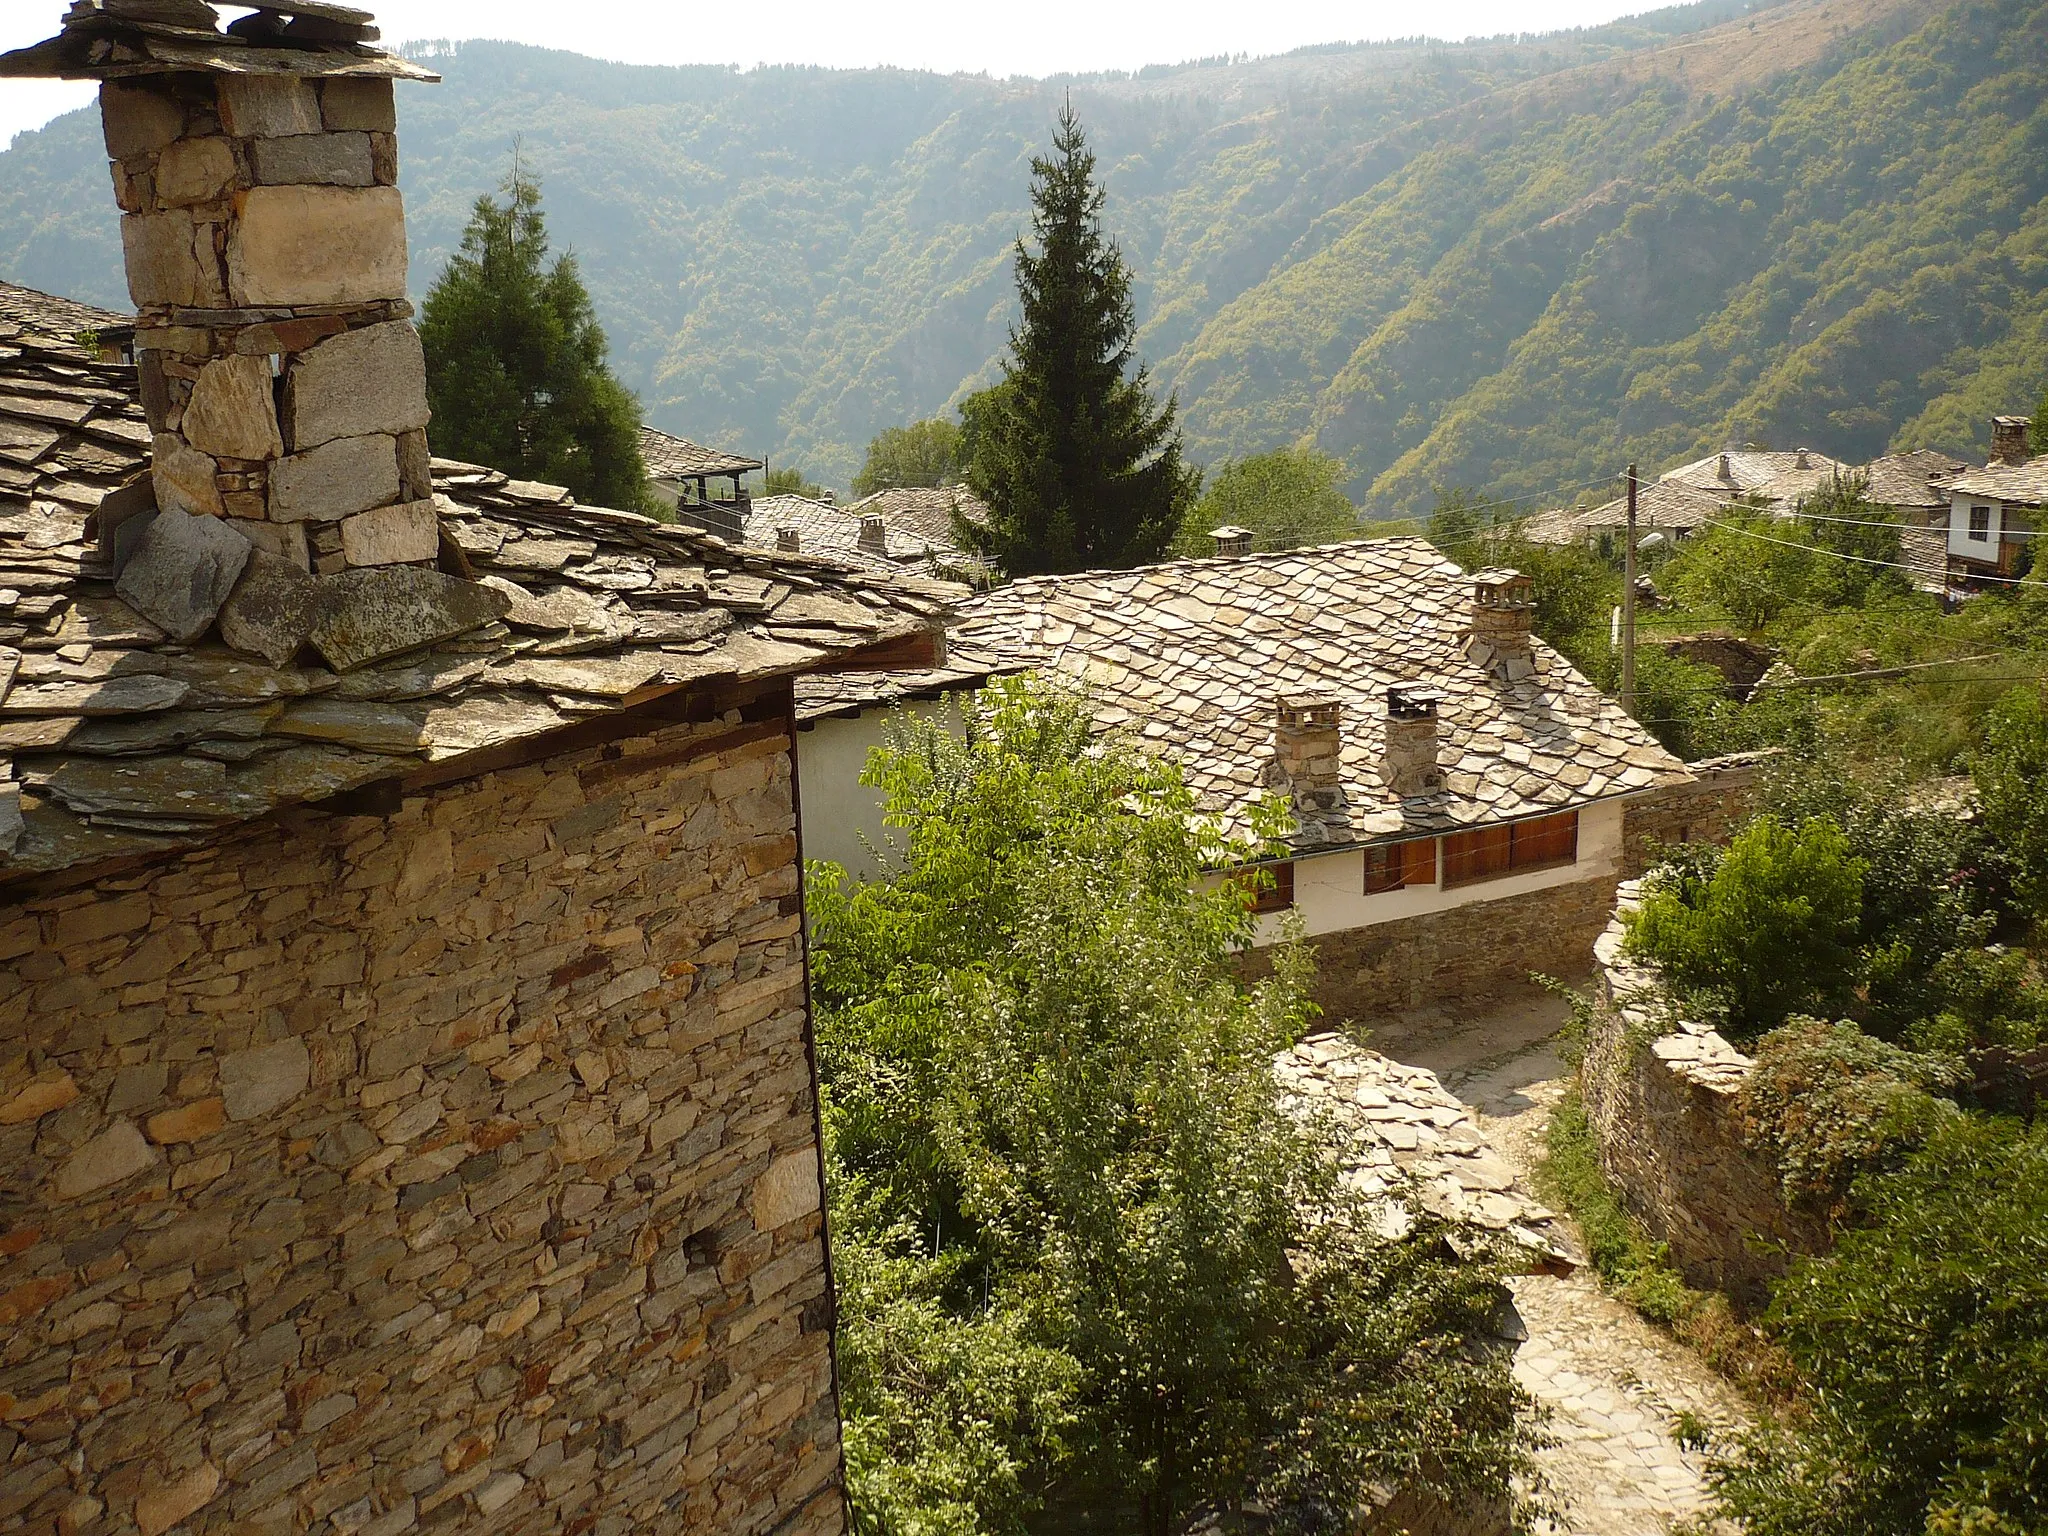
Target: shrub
{"points": [[1924, 1340], [1770, 930], [1829, 1104], [2011, 773]]}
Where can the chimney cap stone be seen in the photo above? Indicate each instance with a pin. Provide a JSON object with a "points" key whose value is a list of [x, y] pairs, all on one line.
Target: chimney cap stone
{"points": [[1232, 540], [1410, 701], [169, 37], [1310, 711]]}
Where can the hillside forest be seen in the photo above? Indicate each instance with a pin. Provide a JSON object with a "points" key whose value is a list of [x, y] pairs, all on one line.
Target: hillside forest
{"points": [[1510, 263]]}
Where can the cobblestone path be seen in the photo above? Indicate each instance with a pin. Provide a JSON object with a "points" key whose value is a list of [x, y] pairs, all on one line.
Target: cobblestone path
{"points": [[1616, 1386]]}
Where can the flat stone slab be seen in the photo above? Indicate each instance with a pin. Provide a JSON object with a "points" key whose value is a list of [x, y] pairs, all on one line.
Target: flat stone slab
{"points": [[364, 381], [182, 570], [379, 611], [272, 610]]}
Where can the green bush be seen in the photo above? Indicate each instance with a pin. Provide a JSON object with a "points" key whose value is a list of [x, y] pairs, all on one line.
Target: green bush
{"points": [[1770, 930], [2011, 774], [1924, 1342]]}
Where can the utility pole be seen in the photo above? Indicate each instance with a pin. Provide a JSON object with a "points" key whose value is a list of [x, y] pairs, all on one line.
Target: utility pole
{"points": [[1628, 605]]}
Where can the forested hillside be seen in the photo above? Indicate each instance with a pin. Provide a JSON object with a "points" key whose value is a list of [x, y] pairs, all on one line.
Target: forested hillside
{"points": [[1504, 264]]}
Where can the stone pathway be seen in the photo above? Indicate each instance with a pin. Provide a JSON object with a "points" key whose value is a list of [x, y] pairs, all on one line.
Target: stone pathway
{"points": [[1616, 1386]]}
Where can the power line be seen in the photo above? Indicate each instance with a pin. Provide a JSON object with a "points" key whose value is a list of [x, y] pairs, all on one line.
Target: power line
{"points": [[1835, 554]]}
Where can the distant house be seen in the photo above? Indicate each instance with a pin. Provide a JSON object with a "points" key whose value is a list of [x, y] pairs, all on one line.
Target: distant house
{"points": [[1906, 485], [1993, 512], [1464, 797], [704, 486], [890, 530], [1681, 501]]}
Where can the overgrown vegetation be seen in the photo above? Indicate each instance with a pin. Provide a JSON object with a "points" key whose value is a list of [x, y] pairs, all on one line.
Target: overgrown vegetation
{"points": [[1287, 498], [1079, 1287], [925, 453]]}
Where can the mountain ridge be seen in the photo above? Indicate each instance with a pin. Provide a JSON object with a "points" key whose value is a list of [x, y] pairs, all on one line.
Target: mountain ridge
{"points": [[1507, 263]]}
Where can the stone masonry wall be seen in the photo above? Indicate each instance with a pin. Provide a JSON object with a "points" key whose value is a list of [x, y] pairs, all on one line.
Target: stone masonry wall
{"points": [[1665, 1107], [1481, 949], [1707, 810], [454, 1170]]}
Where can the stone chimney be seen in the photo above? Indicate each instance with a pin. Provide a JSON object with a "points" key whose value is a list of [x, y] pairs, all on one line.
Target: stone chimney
{"points": [[1725, 471], [1800, 460], [1231, 540], [874, 537], [1409, 765], [2009, 439], [788, 540], [1503, 604], [1307, 740]]}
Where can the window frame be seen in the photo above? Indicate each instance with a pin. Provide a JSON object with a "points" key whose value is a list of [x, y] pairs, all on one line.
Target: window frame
{"points": [[1499, 850], [1414, 862], [1278, 897], [1979, 531]]}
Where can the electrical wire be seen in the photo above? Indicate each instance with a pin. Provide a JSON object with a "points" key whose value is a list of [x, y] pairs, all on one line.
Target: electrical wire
{"points": [[1834, 554]]}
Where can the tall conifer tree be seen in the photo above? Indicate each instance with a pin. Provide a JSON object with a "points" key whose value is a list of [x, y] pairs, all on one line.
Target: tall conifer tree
{"points": [[1078, 465], [516, 362]]}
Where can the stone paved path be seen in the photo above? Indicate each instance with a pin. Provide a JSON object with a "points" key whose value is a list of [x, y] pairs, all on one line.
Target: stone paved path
{"points": [[1615, 1385]]}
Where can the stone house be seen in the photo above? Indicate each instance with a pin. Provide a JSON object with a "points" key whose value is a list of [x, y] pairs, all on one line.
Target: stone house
{"points": [[1993, 512], [703, 486], [1465, 800], [407, 1108], [1908, 485], [1681, 501]]}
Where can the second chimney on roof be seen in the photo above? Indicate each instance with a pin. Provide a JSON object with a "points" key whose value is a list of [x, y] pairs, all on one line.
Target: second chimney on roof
{"points": [[2009, 439], [1409, 765], [1503, 605], [1308, 739], [788, 540], [874, 538], [1232, 540]]}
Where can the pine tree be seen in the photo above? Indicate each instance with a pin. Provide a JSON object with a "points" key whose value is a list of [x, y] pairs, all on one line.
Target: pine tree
{"points": [[1079, 467], [516, 362]]}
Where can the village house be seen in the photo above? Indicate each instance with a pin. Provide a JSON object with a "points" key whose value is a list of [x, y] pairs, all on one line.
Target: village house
{"points": [[1465, 801], [408, 1116], [706, 487], [1907, 485], [1993, 511], [1681, 501], [907, 530]]}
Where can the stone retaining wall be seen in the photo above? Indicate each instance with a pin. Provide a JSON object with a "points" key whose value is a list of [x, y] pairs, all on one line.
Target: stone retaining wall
{"points": [[456, 1168], [1667, 1115], [1721, 797], [1478, 950]]}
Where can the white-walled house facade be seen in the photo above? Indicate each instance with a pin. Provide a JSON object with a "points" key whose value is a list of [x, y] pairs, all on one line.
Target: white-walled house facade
{"points": [[1464, 799]]}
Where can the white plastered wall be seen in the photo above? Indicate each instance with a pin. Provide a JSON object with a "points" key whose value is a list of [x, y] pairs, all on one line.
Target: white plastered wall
{"points": [[1329, 891], [837, 810], [1960, 544]]}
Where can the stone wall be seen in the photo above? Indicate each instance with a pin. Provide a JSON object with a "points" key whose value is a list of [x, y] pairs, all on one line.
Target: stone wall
{"points": [[1664, 1100], [454, 1169], [1721, 797], [1479, 950]]}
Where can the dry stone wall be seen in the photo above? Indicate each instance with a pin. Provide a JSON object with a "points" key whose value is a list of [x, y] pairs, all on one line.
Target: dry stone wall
{"points": [[456, 1169], [1664, 1100], [1720, 798], [1480, 949]]}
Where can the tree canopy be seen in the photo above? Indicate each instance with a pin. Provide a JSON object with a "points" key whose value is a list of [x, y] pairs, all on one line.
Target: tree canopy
{"points": [[1287, 498], [925, 453], [1080, 1280], [517, 375], [1078, 465]]}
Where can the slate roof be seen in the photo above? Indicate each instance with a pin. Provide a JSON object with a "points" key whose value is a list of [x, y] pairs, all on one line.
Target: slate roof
{"points": [[1670, 506], [1777, 477], [1189, 657], [827, 528], [677, 458], [114, 742], [2026, 484], [1906, 480], [48, 315]]}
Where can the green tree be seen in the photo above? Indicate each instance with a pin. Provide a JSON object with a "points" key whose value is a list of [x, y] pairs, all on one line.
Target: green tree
{"points": [[1079, 467], [1768, 928], [790, 481], [516, 362], [1461, 527], [1923, 1341], [925, 453], [2041, 424], [2011, 774], [1088, 1281], [1288, 498]]}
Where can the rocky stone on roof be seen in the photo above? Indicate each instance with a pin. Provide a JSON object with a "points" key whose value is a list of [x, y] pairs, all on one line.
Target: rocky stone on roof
{"points": [[1190, 657], [128, 732], [45, 314], [1905, 481], [2023, 484], [669, 457]]}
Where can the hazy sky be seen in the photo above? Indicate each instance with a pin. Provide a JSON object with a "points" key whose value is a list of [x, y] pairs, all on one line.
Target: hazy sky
{"points": [[1045, 37]]}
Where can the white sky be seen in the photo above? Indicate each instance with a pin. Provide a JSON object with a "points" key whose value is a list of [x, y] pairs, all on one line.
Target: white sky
{"points": [[1046, 37]]}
